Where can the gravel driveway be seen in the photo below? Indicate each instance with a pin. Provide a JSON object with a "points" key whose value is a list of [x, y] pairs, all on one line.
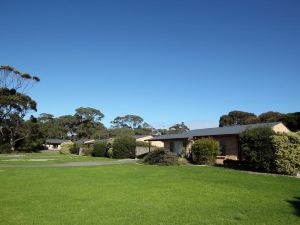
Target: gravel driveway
{"points": [[72, 164]]}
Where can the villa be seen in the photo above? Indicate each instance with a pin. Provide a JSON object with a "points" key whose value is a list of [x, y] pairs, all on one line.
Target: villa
{"points": [[228, 137]]}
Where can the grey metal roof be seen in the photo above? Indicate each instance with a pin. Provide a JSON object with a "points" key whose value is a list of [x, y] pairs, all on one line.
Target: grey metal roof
{"points": [[56, 141], [212, 131], [141, 136]]}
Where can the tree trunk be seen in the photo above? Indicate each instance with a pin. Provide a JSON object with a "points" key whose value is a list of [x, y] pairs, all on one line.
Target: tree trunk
{"points": [[12, 144]]}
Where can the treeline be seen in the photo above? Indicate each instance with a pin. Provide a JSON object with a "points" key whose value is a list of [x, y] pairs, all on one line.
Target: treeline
{"points": [[291, 120], [18, 133]]}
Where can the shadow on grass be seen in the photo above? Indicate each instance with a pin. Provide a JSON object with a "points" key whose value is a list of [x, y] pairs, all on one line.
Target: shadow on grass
{"points": [[296, 204]]}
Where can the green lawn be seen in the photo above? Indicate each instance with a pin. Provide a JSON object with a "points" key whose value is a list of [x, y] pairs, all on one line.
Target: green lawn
{"points": [[139, 194], [44, 158]]}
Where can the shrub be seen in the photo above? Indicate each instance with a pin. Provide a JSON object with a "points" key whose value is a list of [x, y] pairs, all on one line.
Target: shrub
{"points": [[205, 151], [5, 148], [287, 152], [75, 149], [124, 147], [161, 157], [100, 149], [257, 148]]}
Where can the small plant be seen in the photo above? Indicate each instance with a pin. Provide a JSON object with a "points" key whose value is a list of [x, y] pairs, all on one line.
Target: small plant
{"points": [[205, 151], [124, 147], [161, 157], [100, 149]]}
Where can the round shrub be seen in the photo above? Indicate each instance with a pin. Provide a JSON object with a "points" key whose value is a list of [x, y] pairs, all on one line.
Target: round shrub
{"points": [[205, 151], [161, 157], [257, 148], [124, 147], [100, 149], [65, 148]]}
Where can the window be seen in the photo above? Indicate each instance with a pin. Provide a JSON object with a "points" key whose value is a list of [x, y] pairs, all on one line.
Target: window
{"points": [[222, 147]]}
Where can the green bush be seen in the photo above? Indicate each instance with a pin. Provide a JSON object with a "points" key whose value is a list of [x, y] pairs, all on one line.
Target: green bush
{"points": [[5, 148], [257, 149], [100, 149], [161, 157], [287, 152], [124, 147], [75, 149], [66, 147], [205, 151]]}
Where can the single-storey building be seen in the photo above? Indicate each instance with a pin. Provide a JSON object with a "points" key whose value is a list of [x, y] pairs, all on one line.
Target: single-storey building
{"points": [[228, 137], [54, 144], [144, 138]]}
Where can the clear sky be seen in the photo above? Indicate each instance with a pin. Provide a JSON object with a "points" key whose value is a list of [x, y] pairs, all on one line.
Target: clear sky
{"points": [[167, 61]]}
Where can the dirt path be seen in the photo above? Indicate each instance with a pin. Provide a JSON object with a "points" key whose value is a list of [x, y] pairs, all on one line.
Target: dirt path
{"points": [[72, 164]]}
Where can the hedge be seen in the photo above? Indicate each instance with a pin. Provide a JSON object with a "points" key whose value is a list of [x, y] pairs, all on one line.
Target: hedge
{"points": [[257, 148], [287, 152]]}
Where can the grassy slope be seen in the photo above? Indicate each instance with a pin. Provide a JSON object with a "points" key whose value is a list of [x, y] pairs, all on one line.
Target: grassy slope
{"points": [[137, 194], [24, 158]]}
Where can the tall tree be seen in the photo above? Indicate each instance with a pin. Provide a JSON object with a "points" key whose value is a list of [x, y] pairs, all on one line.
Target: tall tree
{"points": [[129, 121], [178, 128], [88, 114], [12, 79], [13, 108], [270, 117], [237, 118]]}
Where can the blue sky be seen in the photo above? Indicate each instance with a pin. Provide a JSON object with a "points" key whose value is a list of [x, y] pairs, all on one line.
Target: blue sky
{"points": [[167, 61]]}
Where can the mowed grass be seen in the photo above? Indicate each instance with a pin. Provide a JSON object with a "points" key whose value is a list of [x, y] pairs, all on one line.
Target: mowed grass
{"points": [[139, 194], [44, 158]]}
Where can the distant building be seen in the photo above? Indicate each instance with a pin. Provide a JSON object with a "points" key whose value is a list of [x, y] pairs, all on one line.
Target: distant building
{"points": [[144, 138], [54, 144]]}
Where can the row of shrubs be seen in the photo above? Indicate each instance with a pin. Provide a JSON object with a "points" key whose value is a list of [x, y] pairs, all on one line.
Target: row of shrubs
{"points": [[267, 151], [119, 148]]}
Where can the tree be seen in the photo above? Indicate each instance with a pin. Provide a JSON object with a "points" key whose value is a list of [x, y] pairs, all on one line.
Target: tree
{"points": [[70, 123], [12, 79], [270, 116], [178, 128], [87, 114], [121, 132], [237, 118], [292, 121], [89, 125], [129, 121], [52, 127], [14, 103], [13, 108]]}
